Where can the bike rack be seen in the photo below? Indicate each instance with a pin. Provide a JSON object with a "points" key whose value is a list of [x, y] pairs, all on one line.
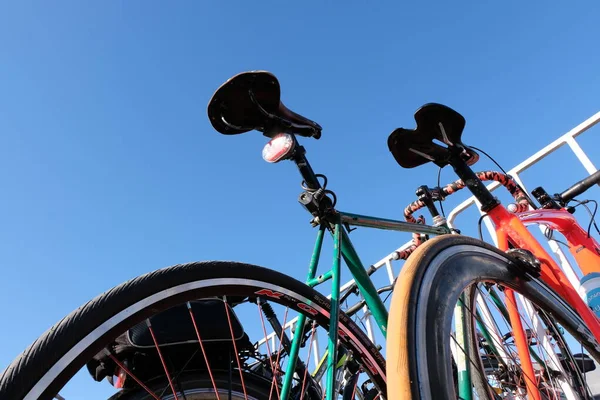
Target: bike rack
{"points": [[386, 262]]}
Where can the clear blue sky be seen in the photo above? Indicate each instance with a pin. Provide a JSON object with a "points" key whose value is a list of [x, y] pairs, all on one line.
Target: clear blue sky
{"points": [[110, 168]]}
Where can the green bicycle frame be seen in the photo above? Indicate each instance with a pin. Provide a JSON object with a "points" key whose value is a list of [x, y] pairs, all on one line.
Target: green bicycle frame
{"points": [[343, 248]]}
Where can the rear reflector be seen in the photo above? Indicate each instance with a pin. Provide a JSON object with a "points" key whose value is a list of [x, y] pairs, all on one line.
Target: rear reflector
{"points": [[121, 376], [278, 148]]}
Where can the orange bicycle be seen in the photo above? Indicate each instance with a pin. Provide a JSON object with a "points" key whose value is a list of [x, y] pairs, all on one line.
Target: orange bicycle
{"points": [[434, 351]]}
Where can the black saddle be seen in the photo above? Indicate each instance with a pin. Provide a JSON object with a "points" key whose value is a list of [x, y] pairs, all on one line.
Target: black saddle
{"points": [[251, 100], [435, 122]]}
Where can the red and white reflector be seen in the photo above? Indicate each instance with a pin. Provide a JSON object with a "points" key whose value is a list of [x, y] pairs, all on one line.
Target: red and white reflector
{"points": [[278, 148], [121, 376]]}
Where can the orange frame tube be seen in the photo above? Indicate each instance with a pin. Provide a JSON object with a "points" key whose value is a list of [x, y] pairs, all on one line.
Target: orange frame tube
{"points": [[522, 345], [518, 332]]}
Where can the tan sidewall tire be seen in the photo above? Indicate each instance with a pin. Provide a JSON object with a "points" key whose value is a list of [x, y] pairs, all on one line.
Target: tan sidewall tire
{"points": [[397, 352]]}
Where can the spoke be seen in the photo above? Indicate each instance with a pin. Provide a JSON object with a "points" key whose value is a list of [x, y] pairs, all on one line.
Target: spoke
{"points": [[212, 379], [237, 356], [274, 382], [312, 337], [273, 367], [135, 378], [162, 360]]}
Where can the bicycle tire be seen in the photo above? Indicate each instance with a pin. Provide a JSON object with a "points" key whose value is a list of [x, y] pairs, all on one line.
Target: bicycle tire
{"points": [[423, 302], [47, 364]]}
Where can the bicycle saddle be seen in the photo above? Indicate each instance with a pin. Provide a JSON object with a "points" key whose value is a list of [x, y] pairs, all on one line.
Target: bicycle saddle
{"points": [[251, 100], [414, 147]]}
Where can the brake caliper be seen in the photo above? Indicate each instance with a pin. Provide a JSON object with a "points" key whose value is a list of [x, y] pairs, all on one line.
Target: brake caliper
{"points": [[526, 262]]}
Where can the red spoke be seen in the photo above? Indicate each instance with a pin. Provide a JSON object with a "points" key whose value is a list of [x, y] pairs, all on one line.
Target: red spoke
{"points": [[212, 379], [237, 357], [274, 382], [162, 360], [135, 378], [262, 321], [312, 337]]}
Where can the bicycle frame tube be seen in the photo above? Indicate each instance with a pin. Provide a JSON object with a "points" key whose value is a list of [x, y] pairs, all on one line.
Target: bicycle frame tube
{"points": [[522, 345], [364, 283], [356, 267], [584, 249], [390, 224]]}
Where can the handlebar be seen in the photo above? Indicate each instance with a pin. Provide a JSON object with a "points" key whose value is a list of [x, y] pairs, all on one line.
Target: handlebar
{"points": [[580, 187], [522, 201]]}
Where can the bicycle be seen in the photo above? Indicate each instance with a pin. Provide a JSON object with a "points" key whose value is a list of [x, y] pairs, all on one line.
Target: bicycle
{"points": [[452, 269], [495, 355], [134, 321]]}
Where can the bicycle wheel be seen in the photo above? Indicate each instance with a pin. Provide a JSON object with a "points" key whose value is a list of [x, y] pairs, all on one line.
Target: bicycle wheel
{"points": [[42, 370], [420, 342]]}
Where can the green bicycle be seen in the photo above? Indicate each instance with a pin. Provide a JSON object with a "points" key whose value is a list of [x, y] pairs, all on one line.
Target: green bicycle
{"points": [[125, 336]]}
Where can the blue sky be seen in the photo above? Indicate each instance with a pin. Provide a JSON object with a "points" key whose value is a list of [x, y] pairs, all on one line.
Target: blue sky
{"points": [[110, 168]]}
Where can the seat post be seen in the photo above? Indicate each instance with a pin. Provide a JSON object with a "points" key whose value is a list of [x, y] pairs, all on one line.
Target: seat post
{"points": [[473, 183], [304, 167]]}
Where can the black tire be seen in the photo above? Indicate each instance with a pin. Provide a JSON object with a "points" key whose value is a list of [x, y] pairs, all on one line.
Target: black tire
{"points": [[422, 308], [256, 387], [41, 370]]}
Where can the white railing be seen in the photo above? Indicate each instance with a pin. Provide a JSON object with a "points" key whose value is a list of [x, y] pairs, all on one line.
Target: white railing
{"points": [[566, 139]]}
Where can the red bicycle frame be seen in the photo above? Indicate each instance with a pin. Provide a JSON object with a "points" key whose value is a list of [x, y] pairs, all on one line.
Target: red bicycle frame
{"points": [[584, 249], [511, 231]]}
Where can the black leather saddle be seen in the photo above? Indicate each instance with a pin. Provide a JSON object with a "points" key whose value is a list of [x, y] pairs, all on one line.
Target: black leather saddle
{"points": [[438, 127], [251, 100]]}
